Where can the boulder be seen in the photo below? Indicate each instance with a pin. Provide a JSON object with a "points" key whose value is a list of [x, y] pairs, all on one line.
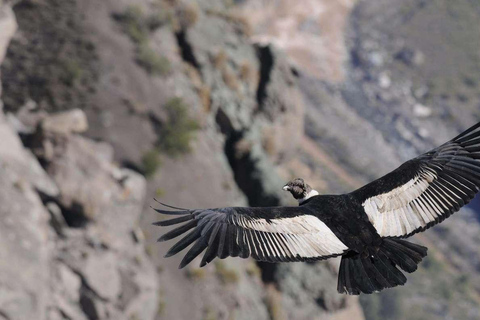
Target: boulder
{"points": [[71, 121]]}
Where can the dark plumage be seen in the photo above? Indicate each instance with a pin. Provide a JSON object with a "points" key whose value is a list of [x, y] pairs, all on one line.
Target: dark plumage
{"points": [[366, 227], [298, 188]]}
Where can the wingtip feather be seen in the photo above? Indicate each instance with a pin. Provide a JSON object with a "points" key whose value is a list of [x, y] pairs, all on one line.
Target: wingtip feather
{"points": [[168, 254], [169, 206]]}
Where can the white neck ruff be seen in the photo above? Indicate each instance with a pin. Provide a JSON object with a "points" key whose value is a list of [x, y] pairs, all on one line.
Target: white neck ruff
{"points": [[308, 196]]}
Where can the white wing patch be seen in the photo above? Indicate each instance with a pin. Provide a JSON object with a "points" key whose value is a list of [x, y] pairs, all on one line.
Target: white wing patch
{"points": [[306, 236], [408, 207]]}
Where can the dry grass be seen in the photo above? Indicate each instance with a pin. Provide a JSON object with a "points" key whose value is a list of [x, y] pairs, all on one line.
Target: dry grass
{"points": [[242, 148], [226, 275], [151, 61], [268, 141], [150, 250], [249, 75], [240, 22], [188, 15], [253, 270], [193, 74], [274, 303], [230, 79], [220, 59], [209, 314], [161, 304], [196, 273], [246, 71], [138, 26], [204, 92]]}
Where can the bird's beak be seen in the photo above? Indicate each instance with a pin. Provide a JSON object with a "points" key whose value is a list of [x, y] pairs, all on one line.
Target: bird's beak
{"points": [[286, 188]]}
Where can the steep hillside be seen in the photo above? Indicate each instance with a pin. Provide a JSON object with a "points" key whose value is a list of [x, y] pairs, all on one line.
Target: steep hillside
{"points": [[61, 257], [218, 104], [186, 99]]}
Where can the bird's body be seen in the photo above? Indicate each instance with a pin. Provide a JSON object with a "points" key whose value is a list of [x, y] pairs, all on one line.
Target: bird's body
{"points": [[366, 227]]}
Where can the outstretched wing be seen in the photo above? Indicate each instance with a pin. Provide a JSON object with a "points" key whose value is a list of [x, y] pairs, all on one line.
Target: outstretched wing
{"points": [[426, 190], [266, 234]]}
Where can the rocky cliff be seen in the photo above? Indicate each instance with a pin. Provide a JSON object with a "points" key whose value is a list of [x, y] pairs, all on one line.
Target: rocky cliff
{"points": [[218, 103], [108, 79], [71, 245]]}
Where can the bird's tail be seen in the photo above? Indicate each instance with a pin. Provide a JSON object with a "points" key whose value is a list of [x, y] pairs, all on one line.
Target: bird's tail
{"points": [[376, 268]]}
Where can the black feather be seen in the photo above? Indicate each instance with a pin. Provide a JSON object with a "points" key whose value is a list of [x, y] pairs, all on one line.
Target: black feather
{"points": [[464, 136], [184, 242], [233, 249], [169, 206], [210, 253], [194, 251], [174, 221], [171, 212], [178, 231], [222, 239], [364, 279]]}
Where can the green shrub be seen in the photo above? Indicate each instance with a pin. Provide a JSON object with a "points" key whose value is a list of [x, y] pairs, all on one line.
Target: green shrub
{"points": [[196, 273], [72, 72], [209, 314], [151, 61], [176, 134], [134, 24], [225, 274], [138, 27], [151, 161]]}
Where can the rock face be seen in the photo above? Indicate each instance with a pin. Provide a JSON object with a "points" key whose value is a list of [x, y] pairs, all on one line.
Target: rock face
{"points": [[70, 248], [25, 249], [89, 254]]}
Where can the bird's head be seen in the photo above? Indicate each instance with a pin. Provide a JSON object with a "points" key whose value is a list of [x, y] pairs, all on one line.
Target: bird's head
{"points": [[300, 190]]}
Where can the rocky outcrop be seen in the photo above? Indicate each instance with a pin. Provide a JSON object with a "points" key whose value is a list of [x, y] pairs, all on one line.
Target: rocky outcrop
{"points": [[245, 98], [71, 243], [71, 246], [25, 232]]}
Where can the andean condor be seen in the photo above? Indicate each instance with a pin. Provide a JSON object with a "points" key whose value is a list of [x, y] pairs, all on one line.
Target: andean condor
{"points": [[366, 227]]}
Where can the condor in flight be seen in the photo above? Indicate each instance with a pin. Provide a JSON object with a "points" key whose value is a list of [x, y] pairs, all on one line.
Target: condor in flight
{"points": [[365, 227]]}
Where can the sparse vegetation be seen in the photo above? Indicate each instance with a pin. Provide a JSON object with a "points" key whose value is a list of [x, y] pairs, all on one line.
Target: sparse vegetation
{"points": [[134, 24], [209, 314], [196, 273], [220, 59], [242, 148], [149, 250], [246, 71], [226, 275], [274, 303], [188, 15], [241, 23], [151, 161], [230, 79], [161, 305], [268, 142], [72, 72], [177, 133], [253, 270], [134, 316], [205, 98], [159, 192], [138, 27], [151, 61]]}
